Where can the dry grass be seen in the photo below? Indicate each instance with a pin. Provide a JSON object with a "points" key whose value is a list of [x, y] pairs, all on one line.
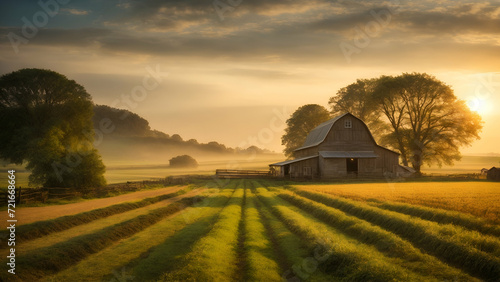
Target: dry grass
{"points": [[480, 199]]}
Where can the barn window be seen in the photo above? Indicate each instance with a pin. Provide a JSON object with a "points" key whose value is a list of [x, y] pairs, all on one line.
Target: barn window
{"points": [[307, 171], [347, 123]]}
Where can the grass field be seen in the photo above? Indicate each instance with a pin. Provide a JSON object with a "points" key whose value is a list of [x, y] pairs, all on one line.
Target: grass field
{"points": [[262, 230]]}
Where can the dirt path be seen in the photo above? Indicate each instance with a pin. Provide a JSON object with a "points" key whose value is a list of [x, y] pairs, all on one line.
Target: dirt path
{"points": [[32, 214]]}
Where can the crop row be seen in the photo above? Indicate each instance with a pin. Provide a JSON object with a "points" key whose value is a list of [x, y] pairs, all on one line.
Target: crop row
{"points": [[153, 250], [213, 257], [335, 253], [41, 228], [46, 261], [386, 242], [443, 217], [423, 234]]}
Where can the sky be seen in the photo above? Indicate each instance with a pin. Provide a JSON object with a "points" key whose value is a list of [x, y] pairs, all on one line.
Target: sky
{"points": [[233, 71]]}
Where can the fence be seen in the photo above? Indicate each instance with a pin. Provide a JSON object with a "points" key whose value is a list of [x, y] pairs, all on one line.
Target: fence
{"points": [[41, 195], [227, 173]]}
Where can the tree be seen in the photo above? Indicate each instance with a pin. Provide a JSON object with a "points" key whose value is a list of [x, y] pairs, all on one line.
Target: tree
{"points": [[356, 99], [426, 121], [429, 123], [183, 161], [302, 121], [47, 123]]}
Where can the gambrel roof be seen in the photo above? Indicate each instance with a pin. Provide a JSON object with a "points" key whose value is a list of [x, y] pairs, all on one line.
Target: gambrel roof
{"points": [[320, 132]]}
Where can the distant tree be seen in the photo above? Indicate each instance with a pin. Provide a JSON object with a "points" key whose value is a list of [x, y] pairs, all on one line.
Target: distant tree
{"points": [[183, 161], [47, 123], [357, 99], [429, 123], [124, 122], [302, 121], [176, 138]]}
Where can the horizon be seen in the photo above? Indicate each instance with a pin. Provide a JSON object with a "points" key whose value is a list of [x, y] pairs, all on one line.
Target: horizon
{"points": [[255, 62]]}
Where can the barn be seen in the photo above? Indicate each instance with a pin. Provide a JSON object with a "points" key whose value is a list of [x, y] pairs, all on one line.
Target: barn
{"points": [[339, 148]]}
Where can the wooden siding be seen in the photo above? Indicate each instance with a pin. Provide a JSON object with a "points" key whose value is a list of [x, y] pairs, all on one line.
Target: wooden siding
{"points": [[357, 137], [298, 169]]}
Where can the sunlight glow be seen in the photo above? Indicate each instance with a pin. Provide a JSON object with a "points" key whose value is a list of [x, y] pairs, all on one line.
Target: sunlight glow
{"points": [[480, 106]]}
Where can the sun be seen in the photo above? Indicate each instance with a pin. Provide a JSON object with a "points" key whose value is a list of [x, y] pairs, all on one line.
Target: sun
{"points": [[480, 106]]}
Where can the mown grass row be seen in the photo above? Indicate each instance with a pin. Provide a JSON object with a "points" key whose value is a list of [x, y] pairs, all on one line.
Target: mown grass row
{"points": [[261, 258], [424, 235], [42, 228], [213, 257], [47, 261], [292, 252], [335, 253], [384, 241], [443, 216], [148, 253]]}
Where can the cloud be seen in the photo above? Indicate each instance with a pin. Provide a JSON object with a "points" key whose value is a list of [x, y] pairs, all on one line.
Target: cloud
{"points": [[73, 11]]}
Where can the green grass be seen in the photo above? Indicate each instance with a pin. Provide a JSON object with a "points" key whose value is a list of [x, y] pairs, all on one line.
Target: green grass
{"points": [[384, 241], [442, 216], [152, 251], [338, 255], [423, 234], [42, 228], [47, 261], [214, 257], [259, 230], [260, 256]]}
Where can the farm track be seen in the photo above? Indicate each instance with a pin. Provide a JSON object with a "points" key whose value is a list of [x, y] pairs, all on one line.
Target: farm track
{"points": [[420, 233], [259, 230], [32, 214]]}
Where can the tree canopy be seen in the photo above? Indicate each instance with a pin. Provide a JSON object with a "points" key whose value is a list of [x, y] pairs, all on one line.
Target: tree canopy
{"points": [[357, 99], [47, 123], [420, 115], [302, 121], [183, 161]]}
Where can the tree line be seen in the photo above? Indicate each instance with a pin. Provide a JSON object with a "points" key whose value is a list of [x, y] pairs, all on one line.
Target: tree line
{"points": [[414, 114]]}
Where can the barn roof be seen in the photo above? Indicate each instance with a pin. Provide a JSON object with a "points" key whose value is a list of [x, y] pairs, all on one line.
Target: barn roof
{"points": [[293, 161], [347, 154], [319, 133]]}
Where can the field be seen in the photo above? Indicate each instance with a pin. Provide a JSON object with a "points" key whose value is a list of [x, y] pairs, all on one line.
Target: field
{"points": [[262, 230]]}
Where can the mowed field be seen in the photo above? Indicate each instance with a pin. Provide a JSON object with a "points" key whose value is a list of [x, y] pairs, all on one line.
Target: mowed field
{"points": [[261, 230]]}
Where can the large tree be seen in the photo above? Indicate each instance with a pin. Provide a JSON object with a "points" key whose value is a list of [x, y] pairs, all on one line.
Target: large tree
{"points": [[428, 124], [356, 99], [302, 121], [47, 124]]}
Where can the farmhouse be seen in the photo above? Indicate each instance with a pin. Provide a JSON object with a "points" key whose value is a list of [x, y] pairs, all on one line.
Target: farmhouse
{"points": [[338, 148]]}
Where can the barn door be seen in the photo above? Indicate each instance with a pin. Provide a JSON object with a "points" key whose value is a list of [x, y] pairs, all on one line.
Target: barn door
{"points": [[352, 166]]}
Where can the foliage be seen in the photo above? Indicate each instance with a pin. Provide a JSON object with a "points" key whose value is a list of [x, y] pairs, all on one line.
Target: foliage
{"points": [[122, 122], [48, 125], [429, 124], [413, 113], [183, 161], [302, 121], [356, 98]]}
